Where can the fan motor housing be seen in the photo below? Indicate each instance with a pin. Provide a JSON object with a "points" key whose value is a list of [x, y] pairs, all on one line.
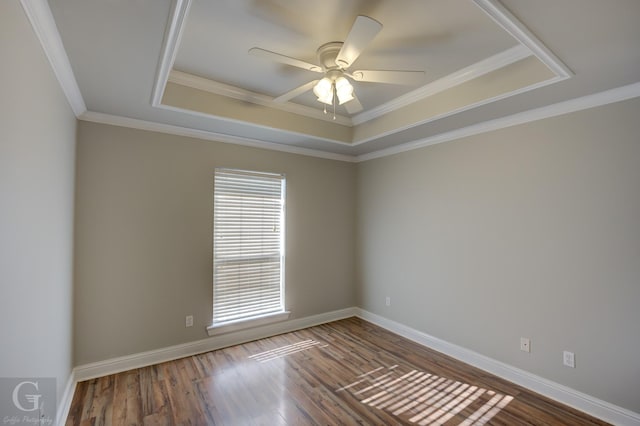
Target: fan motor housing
{"points": [[327, 54]]}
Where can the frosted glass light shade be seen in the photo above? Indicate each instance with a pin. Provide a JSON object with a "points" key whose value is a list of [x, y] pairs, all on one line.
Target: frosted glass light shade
{"points": [[324, 91], [344, 90]]}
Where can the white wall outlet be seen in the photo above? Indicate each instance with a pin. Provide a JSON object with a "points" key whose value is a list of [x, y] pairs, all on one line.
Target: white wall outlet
{"points": [[387, 301], [525, 344], [569, 359], [188, 321]]}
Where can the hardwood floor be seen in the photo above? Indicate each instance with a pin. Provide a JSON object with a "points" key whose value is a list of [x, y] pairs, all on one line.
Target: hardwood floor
{"points": [[345, 372]]}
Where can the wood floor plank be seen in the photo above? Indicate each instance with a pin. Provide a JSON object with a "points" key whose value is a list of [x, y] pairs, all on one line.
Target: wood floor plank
{"points": [[155, 405], [345, 372], [102, 402], [185, 408], [78, 404], [127, 403]]}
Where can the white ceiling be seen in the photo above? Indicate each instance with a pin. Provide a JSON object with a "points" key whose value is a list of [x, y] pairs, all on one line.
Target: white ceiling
{"points": [[117, 48]]}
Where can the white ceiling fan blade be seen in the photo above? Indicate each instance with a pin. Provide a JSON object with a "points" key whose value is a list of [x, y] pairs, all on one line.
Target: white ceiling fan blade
{"points": [[363, 31], [354, 105], [408, 78], [295, 92], [256, 51]]}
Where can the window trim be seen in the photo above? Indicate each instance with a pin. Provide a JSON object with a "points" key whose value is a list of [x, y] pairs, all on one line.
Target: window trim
{"points": [[243, 324]]}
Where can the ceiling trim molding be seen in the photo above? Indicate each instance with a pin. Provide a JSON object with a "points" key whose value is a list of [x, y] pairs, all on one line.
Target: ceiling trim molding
{"points": [[464, 108], [39, 14], [262, 126], [172, 36], [215, 87], [152, 126], [578, 104], [528, 45], [565, 107], [461, 76], [503, 17]]}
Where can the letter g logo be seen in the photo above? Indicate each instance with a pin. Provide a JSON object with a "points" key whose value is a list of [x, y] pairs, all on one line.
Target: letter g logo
{"points": [[33, 399]]}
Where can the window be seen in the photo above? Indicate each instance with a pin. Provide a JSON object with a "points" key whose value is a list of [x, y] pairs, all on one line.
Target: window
{"points": [[248, 247]]}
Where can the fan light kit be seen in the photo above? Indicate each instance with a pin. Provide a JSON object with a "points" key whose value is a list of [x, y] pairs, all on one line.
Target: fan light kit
{"points": [[331, 86], [335, 59]]}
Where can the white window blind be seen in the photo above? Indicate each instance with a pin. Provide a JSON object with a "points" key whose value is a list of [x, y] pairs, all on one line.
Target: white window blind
{"points": [[248, 245]]}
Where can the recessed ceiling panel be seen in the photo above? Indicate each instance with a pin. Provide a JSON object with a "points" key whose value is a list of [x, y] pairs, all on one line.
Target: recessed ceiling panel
{"points": [[438, 37]]}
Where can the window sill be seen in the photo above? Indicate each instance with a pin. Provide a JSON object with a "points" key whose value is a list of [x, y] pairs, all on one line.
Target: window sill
{"points": [[229, 327]]}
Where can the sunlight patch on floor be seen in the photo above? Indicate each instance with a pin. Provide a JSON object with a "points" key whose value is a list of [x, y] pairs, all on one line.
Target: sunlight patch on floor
{"points": [[426, 399], [286, 350]]}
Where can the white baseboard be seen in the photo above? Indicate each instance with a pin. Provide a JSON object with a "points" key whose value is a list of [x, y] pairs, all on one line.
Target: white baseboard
{"points": [[588, 404], [65, 401], [578, 400], [143, 359]]}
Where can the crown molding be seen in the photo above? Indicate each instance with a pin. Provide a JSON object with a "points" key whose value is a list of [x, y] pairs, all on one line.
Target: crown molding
{"points": [[253, 125], [505, 19], [463, 75], [464, 108], [578, 104], [172, 36], [152, 126], [211, 86], [39, 14], [565, 107]]}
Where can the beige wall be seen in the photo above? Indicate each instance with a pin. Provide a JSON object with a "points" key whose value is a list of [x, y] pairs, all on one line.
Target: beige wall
{"points": [[37, 155], [529, 231], [144, 236]]}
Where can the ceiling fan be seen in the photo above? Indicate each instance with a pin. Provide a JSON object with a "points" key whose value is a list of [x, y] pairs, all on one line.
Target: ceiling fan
{"points": [[335, 59]]}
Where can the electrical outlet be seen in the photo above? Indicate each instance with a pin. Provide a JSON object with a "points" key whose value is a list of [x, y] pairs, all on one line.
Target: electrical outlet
{"points": [[188, 321], [387, 301], [569, 359], [525, 344]]}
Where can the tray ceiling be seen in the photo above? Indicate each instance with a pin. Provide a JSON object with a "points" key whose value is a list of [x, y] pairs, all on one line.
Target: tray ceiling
{"points": [[185, 64]]}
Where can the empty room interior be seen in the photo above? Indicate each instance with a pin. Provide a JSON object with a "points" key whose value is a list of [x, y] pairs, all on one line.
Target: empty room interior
{"points": [[338, 212]]}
